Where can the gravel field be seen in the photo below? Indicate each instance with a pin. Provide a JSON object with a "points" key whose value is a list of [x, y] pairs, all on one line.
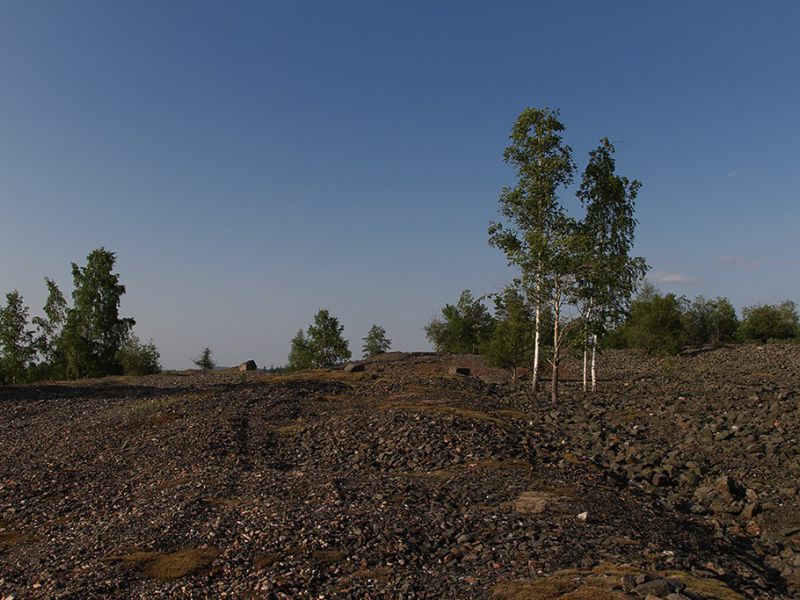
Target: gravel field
{"points": [[678, 479]]}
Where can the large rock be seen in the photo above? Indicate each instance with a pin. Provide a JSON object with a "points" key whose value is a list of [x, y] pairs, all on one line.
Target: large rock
{"points": [[250, 365], [458, 370], [354, 367]]}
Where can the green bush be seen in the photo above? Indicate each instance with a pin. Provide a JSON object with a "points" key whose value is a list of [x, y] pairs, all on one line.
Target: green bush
{"points": [[708, 321], [766, 321], [464, 328], [655, 324], [137, 358]]}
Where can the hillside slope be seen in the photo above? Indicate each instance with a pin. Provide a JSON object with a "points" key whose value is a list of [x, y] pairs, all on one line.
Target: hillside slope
{"points": [[680, 476]]}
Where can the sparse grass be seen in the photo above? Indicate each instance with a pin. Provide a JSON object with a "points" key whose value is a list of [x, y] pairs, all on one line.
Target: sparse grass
{"points": [[480, 464], [265, 561], [13, 538], [226, 501], [289, 429], [532, 503], [166, 567], [445, 409], [377, 574], [514, 414], [599, 584], [168, 484], [144, 406], [315, 375], [328, 557]]}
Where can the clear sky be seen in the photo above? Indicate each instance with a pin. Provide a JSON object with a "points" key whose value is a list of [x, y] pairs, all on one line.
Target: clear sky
{"points": [[251, 162]]}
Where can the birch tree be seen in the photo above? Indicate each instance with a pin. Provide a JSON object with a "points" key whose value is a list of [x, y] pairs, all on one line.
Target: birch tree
{"points": [[607, 275], [531, 212]]}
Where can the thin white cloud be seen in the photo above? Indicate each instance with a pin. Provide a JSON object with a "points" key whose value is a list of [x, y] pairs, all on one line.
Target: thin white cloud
{"points": [[672, 278], [733, 174], [738, 262]]}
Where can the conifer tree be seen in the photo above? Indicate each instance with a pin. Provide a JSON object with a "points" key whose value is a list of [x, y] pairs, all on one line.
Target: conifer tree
{"points": [[376, 342], [204, 361], [17, 347]]}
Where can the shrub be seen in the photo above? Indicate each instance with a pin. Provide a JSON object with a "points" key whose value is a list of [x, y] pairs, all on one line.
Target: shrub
{"points": [[708, 321], [765, 322], [464, 327], [137, 358], [655, 323]]}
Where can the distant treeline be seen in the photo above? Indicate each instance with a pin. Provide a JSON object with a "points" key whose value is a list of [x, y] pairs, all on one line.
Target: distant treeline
{"points": [[86, 339], [659, 324]]}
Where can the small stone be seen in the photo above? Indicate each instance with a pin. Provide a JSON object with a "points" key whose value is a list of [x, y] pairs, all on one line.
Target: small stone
{"points": [[584, 516]]}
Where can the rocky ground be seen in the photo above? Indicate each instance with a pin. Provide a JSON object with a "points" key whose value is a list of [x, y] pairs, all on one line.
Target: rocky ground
{"points": [[677, 479]]}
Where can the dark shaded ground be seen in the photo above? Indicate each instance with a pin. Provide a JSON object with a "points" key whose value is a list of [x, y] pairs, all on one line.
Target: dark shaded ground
{"points": [[403, 481]]}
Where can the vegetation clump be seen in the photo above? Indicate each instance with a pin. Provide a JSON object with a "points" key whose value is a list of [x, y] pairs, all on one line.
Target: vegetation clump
{"points": [[322, 346]]}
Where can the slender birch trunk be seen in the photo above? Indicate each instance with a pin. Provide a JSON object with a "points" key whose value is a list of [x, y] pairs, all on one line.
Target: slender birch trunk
{"points": [[535, 368], [594, 352], [586, 338], [585, 363], [556, 346]]}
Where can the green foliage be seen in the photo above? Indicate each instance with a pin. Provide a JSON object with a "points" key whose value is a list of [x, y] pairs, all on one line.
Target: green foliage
{"points": [[655, 323], [708, 321], [511, 344], [534, 220], [50, 333], [464, 327], [137, 358], [94, 331], [327, 343], [204, 361], [322, 346], [17, 345], [301, 355], [606, 276], [376, 342], [765, 322]]}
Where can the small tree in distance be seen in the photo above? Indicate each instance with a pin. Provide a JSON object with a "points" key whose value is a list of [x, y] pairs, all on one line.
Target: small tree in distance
{"points": [[511, 345], [376, 342], [204, 361], [300, 354], [323, 345], [139, 358], [464, 328], [17, 348]]}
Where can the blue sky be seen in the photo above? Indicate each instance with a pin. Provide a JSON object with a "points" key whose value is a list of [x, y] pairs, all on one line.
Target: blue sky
{"points": [[251, 162]]}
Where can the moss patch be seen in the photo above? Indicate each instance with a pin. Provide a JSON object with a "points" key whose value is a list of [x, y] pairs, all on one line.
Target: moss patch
{"points": [[13, 538], [437, 408], [602, 583], [166, 567], [265, 561], [329, 557]]}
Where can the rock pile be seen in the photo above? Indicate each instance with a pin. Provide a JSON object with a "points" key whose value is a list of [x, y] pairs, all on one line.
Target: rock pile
{"points": [[678, 479]]}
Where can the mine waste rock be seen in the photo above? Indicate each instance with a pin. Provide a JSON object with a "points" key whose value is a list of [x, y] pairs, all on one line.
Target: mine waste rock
{"points": [[455, 370], [354, 367], [250, 365], [408, 482]]}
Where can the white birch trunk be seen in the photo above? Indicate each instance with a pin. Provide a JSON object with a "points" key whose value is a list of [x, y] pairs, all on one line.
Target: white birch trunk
{"points": [[586, 344], [556, 344], [535, 373], [594, 352], [585, 362]]}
